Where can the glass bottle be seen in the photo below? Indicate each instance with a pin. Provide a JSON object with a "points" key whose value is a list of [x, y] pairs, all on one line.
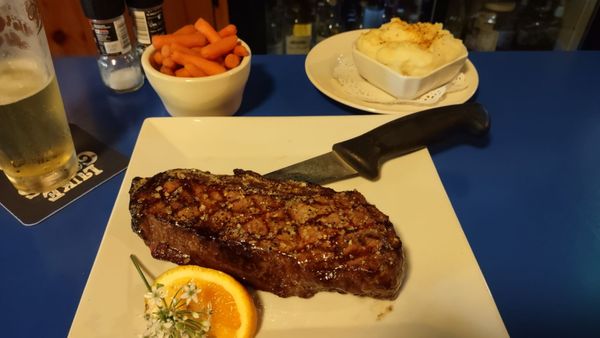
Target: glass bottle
{"points": [[148, 20], [351, 14], [274, 15], [396, 9], [455, 20], [119, 67], [327, 22], [299, 29], [493, 27], [374, 14], [539, 25]]}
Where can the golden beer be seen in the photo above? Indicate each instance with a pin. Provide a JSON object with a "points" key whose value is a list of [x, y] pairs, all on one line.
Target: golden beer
{"points": [[36, 148]]}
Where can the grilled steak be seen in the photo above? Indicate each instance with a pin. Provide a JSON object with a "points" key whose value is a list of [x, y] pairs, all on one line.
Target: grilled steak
{"points": [[287, 237]]}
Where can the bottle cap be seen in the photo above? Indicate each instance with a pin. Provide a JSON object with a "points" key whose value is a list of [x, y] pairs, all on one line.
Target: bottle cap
{"points": [[143, 3], [102, 9]]}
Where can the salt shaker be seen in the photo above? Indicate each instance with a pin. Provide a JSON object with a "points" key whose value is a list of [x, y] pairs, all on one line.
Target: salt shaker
{"points": [[148, 20], [119, 67]]}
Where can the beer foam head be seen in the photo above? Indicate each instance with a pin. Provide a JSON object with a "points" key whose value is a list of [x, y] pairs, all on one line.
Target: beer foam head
{"points": [[20, 78]]}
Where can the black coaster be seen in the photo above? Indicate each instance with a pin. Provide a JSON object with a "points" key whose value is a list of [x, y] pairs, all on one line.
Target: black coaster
{"points": [[97, 163]]}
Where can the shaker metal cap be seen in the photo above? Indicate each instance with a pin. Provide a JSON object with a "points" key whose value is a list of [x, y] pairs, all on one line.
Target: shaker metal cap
{"points": [[102, 9]]}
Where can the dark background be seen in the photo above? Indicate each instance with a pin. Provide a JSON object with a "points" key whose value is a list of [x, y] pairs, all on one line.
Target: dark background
{"points": [[249, 16]]}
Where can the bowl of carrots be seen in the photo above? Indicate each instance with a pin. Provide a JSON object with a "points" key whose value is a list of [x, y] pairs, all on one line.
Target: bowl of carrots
{"points": [[198, 70]]}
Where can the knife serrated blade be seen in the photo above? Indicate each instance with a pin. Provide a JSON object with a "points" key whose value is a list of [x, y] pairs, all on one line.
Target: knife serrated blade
{"points": [[322, 169], [363, 154]]}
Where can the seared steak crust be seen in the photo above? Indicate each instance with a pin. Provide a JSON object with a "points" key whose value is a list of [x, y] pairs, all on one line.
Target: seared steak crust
{"points": [[290, 238]]}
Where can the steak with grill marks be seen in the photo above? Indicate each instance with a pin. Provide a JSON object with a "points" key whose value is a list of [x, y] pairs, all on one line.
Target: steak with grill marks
{"points": [[287, 237]]}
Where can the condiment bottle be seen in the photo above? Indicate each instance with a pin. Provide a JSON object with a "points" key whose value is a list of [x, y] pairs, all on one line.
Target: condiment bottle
{"points": [[374, 14], [455, 20], [299, 28], [148, 20], [328, 19], [351, 15], [493, 27], [539, 25], [119, 67], [274, 16]]}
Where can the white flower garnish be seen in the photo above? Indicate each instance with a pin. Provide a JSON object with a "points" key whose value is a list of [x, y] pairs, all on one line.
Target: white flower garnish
{"points": [[172, 319], [190, 293], [155, 296]]}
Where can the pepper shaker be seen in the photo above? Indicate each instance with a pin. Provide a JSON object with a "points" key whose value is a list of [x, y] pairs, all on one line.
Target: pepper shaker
{"points": [[148, 20], [119, 67]]}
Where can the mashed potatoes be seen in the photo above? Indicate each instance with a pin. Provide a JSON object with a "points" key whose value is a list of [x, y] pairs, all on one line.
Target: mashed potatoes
{"points": [[411, 49]]}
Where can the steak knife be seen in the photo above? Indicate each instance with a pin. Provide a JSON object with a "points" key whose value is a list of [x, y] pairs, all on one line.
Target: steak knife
{"points": [[364, 154]]}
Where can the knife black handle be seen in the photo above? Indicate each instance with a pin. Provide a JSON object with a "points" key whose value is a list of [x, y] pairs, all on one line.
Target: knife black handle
{"points": [[409, 133]]}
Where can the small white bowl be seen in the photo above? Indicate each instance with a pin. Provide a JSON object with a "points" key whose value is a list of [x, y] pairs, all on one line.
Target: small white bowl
{"points": [[400, 86], [215, 95]]}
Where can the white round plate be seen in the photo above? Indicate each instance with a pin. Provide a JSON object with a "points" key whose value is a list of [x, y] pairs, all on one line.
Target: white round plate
{"points": [[322, 59]]}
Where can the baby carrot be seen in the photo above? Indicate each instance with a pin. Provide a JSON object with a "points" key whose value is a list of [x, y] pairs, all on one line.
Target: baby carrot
{"points": [[168, 62], [207, 66], [228, 30], [182, 72], [196, 50], [184, 49], [157, 57], [165, 50], [207, 29], [231, 61], [193, 70], [240, 50], [187, 40], [166, 70], [187, 29], [221, 47]]}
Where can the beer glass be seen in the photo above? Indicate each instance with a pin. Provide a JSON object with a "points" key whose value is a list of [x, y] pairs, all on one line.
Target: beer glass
{"points": [[36, 147]]}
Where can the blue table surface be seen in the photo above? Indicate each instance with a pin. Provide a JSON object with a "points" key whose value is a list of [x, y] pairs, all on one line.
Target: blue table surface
{"points": [[529, 201]]}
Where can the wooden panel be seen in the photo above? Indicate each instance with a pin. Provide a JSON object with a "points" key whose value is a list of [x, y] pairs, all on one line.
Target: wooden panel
{"points": [[69, 32], [181, 12], [66, 27], [221, 13]]}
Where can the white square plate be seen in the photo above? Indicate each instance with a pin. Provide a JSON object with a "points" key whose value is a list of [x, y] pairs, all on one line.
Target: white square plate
{"points": [[444, 294]]}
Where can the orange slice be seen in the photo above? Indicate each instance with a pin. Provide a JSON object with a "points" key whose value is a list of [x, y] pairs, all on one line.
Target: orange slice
{"points": [[233, 311]]}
